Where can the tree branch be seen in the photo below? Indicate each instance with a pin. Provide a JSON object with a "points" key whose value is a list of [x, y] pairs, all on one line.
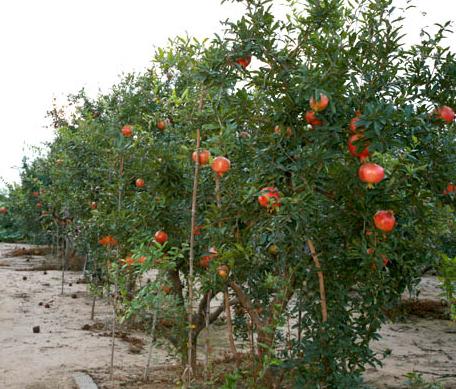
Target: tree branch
{"points": [[244, 300]]}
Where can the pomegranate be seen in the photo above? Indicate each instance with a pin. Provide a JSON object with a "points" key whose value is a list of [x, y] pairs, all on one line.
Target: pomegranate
{"points": [[197, 230], [319, 105], [269, 197], [161, 237], [93, 205], [221, 165], [384, 259], [139, 183], [244, 61], [3, 210], [312, 119], [445, 113], [385, 220], [273, 249], [354, 128], [223, 271], [451, 188], [203, 157], [161, 125], [371, 173], [166, 289], [127, 131], [353, 149], [204, 261]]}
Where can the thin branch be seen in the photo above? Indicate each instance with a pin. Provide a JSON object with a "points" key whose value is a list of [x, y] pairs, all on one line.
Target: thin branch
{"points": [[207, 345], [229, 324], [152, 336]]}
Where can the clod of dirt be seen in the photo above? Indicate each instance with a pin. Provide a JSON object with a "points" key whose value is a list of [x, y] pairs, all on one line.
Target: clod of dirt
{"points": [[45, 272], [47, 306], [24, 278], [74, 296], [134, 349], [70, 284], [36, 329], [93, 327], [40, 303]]}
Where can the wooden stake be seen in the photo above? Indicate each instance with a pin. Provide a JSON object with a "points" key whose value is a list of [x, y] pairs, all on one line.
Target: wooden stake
{"points": [[188, 372], [313, 252], [114, 297], [92, 313], [152, 335], [207, 345], [121, 172], [252, 347], [229, 324], [64, 256]]}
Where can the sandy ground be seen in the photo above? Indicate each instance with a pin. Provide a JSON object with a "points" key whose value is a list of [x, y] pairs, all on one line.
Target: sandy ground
{"points": [[47, 360]]}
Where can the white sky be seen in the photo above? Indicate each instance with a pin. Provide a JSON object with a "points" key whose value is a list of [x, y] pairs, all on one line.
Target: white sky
{"points": [[50, 48]]}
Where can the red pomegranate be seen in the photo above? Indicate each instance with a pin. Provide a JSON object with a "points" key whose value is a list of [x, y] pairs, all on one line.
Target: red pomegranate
{"points": [[319, 105], [127, 131], [371, 173], [385, 259], [205, 259], [312, 119], [451, 188], [203, 157], [445, 113], [161, 237], [269, 197], [139, 183], [221, 165], [244, 61], [354, 148], [385, 220]]}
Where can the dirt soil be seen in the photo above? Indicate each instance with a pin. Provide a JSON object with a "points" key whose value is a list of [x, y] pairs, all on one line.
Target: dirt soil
{"points": [[68, 341]]}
